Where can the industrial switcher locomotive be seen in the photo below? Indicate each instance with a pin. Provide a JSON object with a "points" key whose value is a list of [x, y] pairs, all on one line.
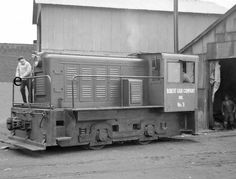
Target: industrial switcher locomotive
{"points": [[94, 101]]}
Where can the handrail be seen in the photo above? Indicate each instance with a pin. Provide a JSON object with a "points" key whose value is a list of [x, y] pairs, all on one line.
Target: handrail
{"points": [[108, 76], [34, 77]]}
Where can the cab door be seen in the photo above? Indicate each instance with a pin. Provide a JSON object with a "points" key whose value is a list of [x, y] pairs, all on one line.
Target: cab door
{"points": [[180, 88]]}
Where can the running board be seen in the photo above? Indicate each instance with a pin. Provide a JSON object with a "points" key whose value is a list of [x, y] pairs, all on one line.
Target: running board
{"points": [[24, 143]]}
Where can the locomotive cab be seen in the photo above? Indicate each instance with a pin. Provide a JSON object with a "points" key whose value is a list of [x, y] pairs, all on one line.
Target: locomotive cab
{"points": [[180, 88], [177, 90]]}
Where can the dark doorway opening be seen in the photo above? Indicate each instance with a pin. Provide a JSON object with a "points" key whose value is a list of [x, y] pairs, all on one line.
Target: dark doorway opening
{"points": [[227, 86]]}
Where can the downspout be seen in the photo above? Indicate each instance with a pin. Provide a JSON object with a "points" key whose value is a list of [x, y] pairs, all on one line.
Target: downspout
{"points": [[176, 38]]}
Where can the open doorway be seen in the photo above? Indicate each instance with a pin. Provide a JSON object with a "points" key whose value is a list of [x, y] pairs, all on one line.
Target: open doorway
{"points": [[227, 86]]}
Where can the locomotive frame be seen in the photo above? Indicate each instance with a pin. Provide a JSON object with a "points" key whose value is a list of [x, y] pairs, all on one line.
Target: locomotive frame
{"points": [[95, 101]]}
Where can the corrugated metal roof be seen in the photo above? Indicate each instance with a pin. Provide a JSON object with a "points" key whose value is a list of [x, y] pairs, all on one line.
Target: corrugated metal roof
{"points": [[193, 6], [209, 29]]}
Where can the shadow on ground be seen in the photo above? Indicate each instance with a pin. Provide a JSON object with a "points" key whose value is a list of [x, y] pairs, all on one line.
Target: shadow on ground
{"points": [[56, 150]]}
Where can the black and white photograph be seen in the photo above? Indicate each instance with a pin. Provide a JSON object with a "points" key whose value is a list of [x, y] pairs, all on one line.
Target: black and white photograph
{"points": [[118, 89]]}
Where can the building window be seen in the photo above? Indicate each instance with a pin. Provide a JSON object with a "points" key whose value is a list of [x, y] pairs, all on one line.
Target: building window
{"points": [[155, 68]]}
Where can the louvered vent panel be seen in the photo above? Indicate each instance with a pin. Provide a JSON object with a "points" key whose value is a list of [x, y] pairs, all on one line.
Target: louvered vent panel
{"points": [[114, 71], [87, 91], [70, 72], [114, 91], [86, 71], [40, 86], [101, 71], [69, 91], [101, 91]]}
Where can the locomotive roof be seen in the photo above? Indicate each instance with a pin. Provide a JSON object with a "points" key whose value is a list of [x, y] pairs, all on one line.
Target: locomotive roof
{"points": [[121, 59]]}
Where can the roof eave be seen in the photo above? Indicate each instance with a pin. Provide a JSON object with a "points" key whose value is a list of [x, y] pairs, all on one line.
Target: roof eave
{"points": [[109, 6], [212, 26]]}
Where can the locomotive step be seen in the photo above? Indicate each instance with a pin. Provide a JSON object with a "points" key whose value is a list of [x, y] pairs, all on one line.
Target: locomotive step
{"points": [[63, 139]]}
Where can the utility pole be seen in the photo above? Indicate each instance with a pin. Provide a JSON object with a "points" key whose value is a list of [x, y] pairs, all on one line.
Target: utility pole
{"points": [[176, 37]]}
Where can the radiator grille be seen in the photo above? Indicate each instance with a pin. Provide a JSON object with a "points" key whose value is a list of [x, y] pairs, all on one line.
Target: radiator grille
{"points": [[136, 91], [133, 92]]}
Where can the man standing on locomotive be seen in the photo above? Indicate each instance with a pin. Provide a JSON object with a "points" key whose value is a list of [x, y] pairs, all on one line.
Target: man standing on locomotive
{"points": [[23, 70]]}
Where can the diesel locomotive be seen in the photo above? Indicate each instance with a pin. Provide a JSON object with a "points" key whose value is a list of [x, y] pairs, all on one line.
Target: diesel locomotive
{"points": [[93, 101]]}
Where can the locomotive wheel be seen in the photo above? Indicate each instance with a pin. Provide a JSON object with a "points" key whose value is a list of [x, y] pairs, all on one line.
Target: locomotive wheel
{"points": [[100, 136], [149, 133], [149, 130]]}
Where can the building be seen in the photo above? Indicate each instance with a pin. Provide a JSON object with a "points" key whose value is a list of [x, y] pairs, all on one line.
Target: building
{"points": [[118, 26], [216, 47], [8, 58]]}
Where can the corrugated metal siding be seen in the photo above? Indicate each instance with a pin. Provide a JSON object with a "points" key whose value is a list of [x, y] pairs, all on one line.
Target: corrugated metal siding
{"points": [[96, 30]]}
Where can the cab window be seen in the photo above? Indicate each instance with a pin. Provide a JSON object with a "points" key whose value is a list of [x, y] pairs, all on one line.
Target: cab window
{"points": [[188, 72], [174, 70], [155, 68], [181, 72]]}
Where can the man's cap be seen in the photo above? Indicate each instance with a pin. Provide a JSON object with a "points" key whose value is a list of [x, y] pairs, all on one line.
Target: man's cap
{"points": [[21, 57]]}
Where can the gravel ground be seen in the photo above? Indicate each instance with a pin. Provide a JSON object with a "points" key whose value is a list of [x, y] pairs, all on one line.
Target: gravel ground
{"points": [[205, 156]]}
